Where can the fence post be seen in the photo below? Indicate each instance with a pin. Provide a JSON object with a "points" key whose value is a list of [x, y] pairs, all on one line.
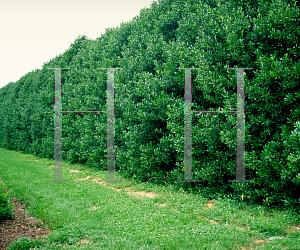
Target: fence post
{"points": [[240, 119], [57, 129], [240, 151], [110, 167], [188, 128]]}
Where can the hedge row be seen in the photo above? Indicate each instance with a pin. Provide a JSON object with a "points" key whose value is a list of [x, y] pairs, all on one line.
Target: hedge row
{"points": [[149, 97]]}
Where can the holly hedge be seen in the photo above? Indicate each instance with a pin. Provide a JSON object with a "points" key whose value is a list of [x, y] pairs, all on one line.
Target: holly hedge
{"points": [[211, 35]]}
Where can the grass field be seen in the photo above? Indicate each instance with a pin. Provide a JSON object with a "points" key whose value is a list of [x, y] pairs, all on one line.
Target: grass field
{"points": [[86, 214]]}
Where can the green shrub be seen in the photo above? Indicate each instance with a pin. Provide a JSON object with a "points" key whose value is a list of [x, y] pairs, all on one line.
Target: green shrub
{"points": [[5, 206], [25, 244]]}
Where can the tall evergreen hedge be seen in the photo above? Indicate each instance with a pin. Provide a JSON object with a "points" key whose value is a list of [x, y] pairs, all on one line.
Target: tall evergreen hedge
{"points": [[209, 35]]}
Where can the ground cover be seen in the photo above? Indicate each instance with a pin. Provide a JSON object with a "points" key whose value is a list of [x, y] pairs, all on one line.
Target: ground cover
{"points": [[87, 214]]}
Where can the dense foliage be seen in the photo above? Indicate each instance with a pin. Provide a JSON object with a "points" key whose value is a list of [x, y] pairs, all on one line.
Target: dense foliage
{"points": [[209, 35], [5, 205]]}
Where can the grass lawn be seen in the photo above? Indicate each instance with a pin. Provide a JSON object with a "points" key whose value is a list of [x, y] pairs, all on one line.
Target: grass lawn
{"points": [[86, 214]]}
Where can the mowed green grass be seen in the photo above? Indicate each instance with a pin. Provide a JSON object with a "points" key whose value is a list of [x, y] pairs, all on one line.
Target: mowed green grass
{"points": [[109, 219]]}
